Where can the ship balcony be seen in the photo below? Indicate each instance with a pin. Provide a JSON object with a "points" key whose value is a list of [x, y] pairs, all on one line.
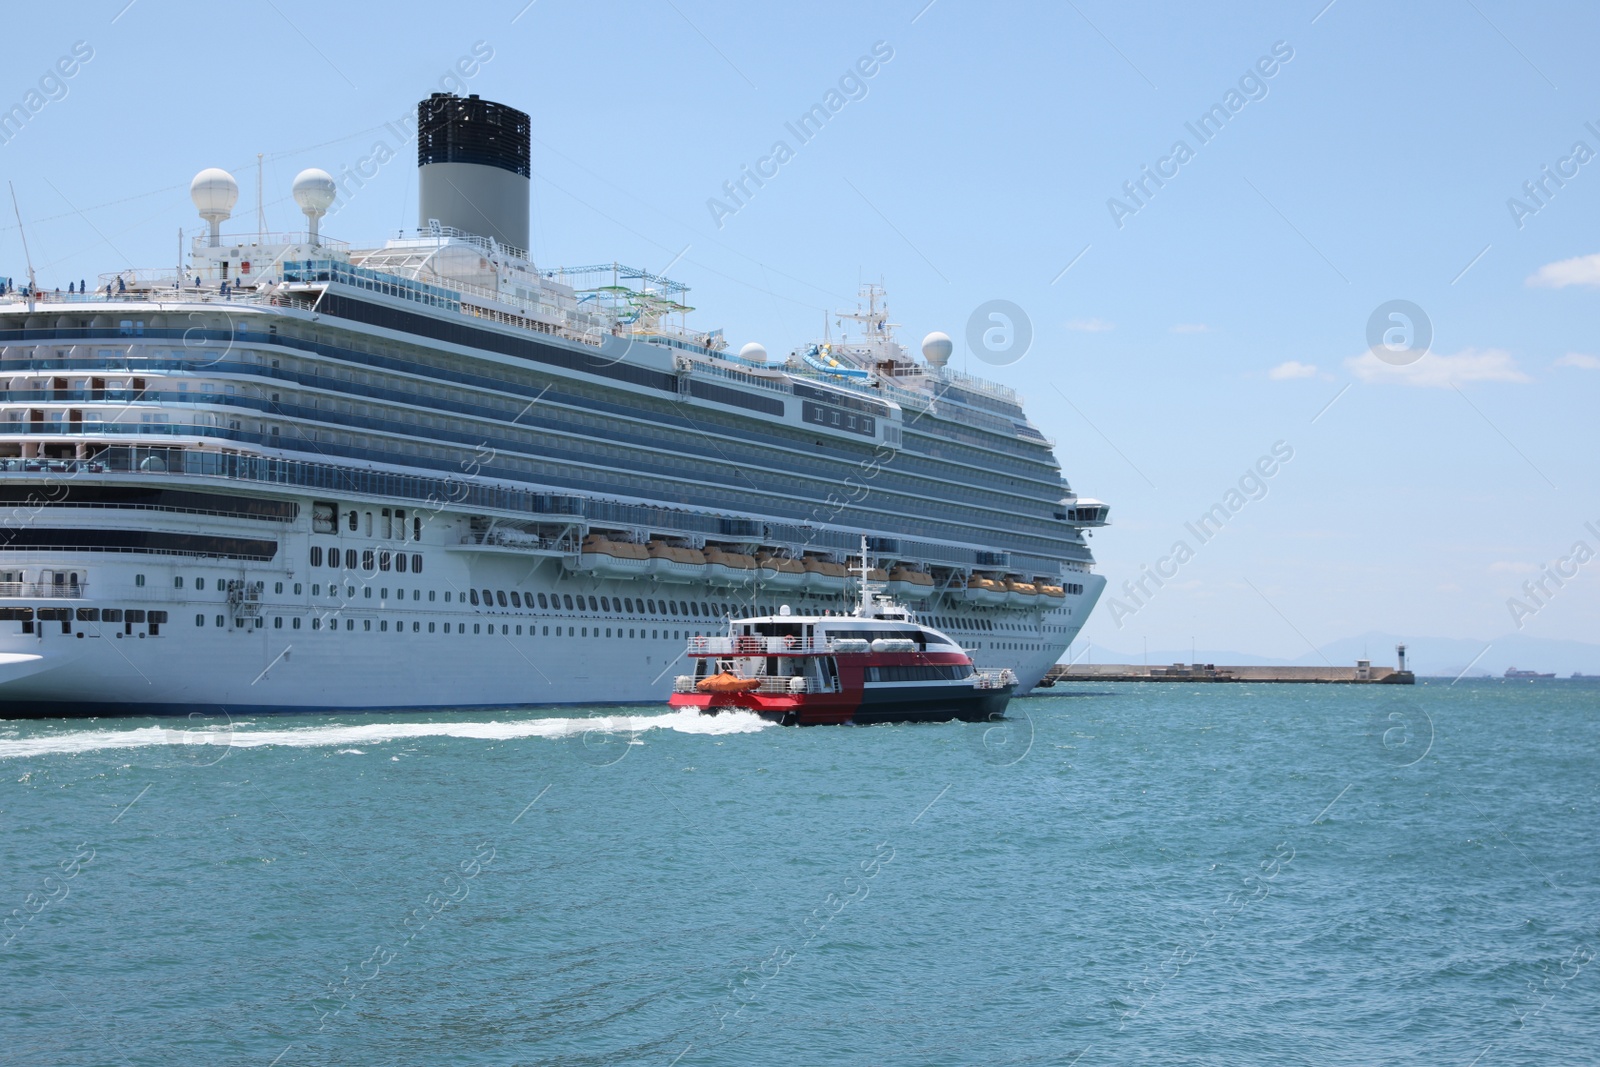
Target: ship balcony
{"points": [[44, 590]]}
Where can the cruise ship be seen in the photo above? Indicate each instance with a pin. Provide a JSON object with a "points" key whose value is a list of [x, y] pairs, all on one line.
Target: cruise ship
{"points": [[291, 474]]}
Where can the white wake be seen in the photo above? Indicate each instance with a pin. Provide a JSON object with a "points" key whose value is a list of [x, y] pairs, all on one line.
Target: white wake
{"points": [[68, 741]]}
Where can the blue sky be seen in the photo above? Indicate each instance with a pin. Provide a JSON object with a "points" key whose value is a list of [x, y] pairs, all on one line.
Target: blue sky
{"points": [[976, 163]]}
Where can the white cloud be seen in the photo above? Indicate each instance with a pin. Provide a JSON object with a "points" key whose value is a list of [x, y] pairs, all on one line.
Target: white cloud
{"points": [[1291, 370], [1190, 327], [1580, 270], [1440, 371], [1578, 359], [1091, 325]]}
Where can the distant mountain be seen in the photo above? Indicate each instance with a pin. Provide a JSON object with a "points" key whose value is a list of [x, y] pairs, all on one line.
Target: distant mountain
{"points": [[1434, 656]]}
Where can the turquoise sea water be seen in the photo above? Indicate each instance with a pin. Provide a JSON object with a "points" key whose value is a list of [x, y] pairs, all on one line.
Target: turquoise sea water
{"points": [[1134, 874]]}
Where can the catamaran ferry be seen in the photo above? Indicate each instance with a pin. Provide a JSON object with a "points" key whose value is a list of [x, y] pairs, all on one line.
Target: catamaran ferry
{"points": [[291, 474]]}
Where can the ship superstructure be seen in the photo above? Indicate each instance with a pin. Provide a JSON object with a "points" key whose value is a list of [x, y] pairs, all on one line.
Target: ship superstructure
{"points": [[297, 474]]}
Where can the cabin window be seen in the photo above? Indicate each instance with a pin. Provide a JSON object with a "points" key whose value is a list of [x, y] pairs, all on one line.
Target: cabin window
{"points": [[516, 599], [474, 594], [567, 599], [316, 555], [400, 562], [500, 597]]}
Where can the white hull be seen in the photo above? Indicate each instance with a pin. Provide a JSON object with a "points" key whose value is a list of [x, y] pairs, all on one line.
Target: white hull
{"points": [[365, 648]]}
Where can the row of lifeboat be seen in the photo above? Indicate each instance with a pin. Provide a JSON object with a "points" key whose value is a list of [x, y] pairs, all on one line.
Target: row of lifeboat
{"points": [[994, 592], [607, 558]]}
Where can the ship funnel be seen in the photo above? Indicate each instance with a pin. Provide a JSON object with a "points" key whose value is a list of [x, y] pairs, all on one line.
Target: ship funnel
{"points": [[214, 193], [473, 167]]}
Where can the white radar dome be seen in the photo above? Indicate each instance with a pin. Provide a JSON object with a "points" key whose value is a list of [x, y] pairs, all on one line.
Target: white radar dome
{"points": [[314, 190], [755, 352], [936, 348], [214, 192]]}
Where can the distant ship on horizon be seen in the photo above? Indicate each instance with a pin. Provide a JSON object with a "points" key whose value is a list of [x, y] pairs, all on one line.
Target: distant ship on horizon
{"points": [[1512, 672]]}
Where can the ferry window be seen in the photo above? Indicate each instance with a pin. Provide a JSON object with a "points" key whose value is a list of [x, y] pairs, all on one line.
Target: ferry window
{"points": [[651, 604], [446, 627], [177, 581], [388, 523], [694, 609], [546, 631], [630, 631], [592, 605], [567, 597], [138, 579], [366, 591], [297, 622], [488, 599], [384, 593], [447, 596], [352, 520], [277, 622], [277, 587], [430, 627], [500, 597], [369, 524], [199, 620], [430, 594], [316, 624], [586, 631], [88, 614], [474, 594], [543, 603], [316, 555], [366, 560], [516, 601], [384, 626], [383, 561], [605, 603], [400, 562], [111, 615], [366, 624], [297, 588], [350, 558], [627, 604], [416, 563], [477, 627], [400, 523], [608, 631], [219, 620], [416, 528]]}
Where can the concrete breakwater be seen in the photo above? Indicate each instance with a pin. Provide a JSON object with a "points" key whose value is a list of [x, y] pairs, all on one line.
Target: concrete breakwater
{"points": [[1362, 673]]}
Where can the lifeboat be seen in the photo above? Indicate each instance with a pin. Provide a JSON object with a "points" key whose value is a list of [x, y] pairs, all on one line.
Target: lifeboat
{"points": [[729, 568], [674, 563], [1054, 592], [1021, 594], [723, 682], [909, 583], [824, 576], [781, 572], [606, 558], [987, 591]]}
